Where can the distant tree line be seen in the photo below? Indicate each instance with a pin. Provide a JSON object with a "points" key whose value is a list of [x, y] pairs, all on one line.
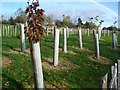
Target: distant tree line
{"points": [[66, 22], [20, 18]]}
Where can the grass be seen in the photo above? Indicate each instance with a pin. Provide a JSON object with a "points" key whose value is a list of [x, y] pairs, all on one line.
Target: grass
{"points": [[87, 75]]}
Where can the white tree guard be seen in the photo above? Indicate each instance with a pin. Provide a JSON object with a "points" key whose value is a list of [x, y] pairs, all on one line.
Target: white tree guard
{"points": [[56, 47], [53, 31], [97, 47], [105, 81], [104, 32], [80, 38], [114, 41], [8, 30], [15, 31], [99, 33], [5, 31], [22, 38], [0, 31], [119, 74], [108, 32], [88, 32], [65, 40], [67, 32], [36, 54]]}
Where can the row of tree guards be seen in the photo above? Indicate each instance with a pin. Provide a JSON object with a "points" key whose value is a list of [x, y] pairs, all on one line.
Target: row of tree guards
{"points": [[72, 31], [9, 30], [13, 31]]}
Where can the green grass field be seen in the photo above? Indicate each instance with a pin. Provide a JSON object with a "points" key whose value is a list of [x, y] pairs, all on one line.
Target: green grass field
{"points": [[86, 74]]}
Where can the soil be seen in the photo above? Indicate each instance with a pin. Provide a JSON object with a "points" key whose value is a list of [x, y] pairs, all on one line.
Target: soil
{"points": [[84, 49], [18, 51], [63, 64], [102, 60], [47, 63], [110, 47], [4, 61], [69, 51]]}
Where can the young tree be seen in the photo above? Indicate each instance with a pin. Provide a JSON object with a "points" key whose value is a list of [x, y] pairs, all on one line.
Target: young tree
{"points": [[11, 21], [58, 23], [20, 16], [49, 20], [80, 24], [34, 33]]}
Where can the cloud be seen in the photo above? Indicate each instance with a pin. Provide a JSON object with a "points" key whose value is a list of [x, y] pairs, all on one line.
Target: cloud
{"points": [[74, 13], [91, 13], [103, 7], [58, 12]]}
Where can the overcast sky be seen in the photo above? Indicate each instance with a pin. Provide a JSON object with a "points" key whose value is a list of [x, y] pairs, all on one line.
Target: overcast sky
{"points": [[107, 11]]}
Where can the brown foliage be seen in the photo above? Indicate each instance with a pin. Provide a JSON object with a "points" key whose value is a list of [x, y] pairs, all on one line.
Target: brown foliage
{"points": [[34, 30]]}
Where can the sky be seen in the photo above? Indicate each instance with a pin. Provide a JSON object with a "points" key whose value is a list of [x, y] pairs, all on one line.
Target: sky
{"points": [[106, 10]]}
